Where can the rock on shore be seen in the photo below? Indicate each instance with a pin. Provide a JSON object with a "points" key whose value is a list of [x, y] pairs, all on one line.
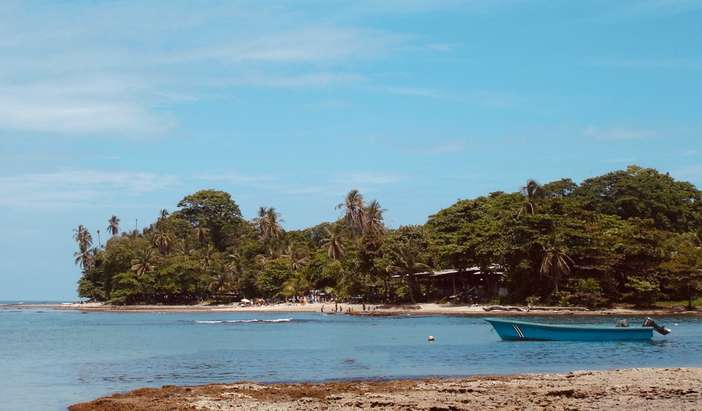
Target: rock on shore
{"points": [[630, 389]]}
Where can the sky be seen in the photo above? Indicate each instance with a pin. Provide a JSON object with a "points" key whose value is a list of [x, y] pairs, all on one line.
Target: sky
{"points": [[125, 107]]}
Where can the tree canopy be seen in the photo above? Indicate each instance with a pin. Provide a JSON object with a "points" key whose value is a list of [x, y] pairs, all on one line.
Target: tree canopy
{"points": [[629, 236]]}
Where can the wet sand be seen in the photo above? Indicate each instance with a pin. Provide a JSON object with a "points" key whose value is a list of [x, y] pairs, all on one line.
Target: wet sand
{"points": [[359, 309], [630, 389]]}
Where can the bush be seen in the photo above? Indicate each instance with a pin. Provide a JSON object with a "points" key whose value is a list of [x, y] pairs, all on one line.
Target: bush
{"points": [[586, 292], [644, 292]]}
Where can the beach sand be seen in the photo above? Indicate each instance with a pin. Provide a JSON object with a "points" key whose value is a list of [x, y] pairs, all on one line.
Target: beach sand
{"points": [[630, 389], [359, 309]]}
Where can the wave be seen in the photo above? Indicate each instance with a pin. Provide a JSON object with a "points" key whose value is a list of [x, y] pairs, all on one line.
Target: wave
{"points": [[277, 320]]}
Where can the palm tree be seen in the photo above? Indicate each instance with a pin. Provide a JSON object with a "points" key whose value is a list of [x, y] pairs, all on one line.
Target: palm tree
{"points": [[334, 244], [354, 211], [84, 259], [202, 234], [163, 241], [113, 225], [373, 217], [83, 238], [268, 224], [144, 263], [555, 263], [298, 258], [532, 192], [406, 265], [219, 281]]}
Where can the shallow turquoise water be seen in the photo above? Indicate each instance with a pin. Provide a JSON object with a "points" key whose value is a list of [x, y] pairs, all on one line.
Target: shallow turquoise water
{"points": [[50, 359]]}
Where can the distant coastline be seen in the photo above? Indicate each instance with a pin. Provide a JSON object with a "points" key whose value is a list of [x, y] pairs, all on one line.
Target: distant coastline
{"points": [[363, 310]]}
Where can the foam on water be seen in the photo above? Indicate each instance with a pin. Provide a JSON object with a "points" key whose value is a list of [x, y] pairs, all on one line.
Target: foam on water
{"points": [[276, 320]]}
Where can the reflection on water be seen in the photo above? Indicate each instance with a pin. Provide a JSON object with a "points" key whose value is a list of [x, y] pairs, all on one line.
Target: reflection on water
{"points": [[54, 358]]}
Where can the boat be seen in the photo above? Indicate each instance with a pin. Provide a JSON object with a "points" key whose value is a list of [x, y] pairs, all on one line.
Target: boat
{"points": [[511, 330]]}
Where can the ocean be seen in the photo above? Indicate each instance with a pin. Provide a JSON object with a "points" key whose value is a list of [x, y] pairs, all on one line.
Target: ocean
{"points": [[51, 359]]}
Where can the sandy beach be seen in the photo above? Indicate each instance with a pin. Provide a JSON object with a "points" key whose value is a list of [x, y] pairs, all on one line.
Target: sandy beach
{"points": [[368, 309], [629, 389]]}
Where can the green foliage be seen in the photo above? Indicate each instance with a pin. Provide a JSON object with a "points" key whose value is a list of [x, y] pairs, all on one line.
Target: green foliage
{"points": [[644, 292], [585, 292], [631, 235]]}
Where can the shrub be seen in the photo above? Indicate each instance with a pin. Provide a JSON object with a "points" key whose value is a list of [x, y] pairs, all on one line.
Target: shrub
{"points": [[644, 292]]}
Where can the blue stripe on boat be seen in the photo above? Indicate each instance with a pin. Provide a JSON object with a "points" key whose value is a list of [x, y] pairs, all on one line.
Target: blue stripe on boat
{"points": [[511, 330]]}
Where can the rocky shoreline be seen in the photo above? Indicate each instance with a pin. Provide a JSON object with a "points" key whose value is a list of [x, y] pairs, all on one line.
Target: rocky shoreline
{"points": [[629, 389]]}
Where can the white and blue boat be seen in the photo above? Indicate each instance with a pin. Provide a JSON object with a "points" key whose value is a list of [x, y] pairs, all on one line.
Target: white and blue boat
{"points": [[511, 330]]}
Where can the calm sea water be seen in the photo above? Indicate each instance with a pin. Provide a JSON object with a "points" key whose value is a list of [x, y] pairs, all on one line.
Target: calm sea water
{"points": [[50, 359]]}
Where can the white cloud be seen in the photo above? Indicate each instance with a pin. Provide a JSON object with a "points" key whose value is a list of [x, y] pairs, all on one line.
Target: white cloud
{"points": [[312, 44], [121, 69], [447, 147], [648, 63], [333, 185], [236, 178], [367, 178], [322, 79], [619, 133], [75, 188], [413, 91]]}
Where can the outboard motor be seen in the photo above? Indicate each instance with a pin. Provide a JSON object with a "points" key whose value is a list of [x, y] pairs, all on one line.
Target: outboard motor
{"points": [[660, 329]]}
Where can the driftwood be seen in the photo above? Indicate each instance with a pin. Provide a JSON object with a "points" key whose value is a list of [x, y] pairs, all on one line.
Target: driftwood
{"points": [[537, 308], [502, 308], [527, 309]]}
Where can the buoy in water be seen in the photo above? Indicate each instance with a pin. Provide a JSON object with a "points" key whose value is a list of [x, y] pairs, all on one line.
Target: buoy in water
{"points": [[430, 338]]}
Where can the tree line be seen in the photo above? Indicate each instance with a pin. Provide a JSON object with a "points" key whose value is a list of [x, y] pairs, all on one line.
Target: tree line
{"points": [[629, 236]]}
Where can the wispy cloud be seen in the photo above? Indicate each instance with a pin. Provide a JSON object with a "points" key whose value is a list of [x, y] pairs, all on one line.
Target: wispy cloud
{"points": [[336, 184], [448, 147], [619, 133], [368, 178], [647, 63], [76, 188], [310, 44], [649, 8], [237, 178], [413, 91], [79, 85]]}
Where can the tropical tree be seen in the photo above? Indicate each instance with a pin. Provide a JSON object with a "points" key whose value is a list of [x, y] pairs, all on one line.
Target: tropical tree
{"points": [[405, 263], [532, 192], [268, 225], [684, 266], [555, 263], [83, 238], [334, 244], [202, 234], [113, 225], [163, 241], [297, 256], [144, 263], [373, 220], [354, 211]]}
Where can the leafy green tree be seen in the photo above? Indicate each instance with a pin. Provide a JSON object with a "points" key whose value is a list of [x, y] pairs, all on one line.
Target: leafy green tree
{"points": [[684, 266], [213, 210]]}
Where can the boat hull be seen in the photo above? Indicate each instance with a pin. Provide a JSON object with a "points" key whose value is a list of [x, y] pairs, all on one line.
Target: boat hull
{"points": [[526, 331]]}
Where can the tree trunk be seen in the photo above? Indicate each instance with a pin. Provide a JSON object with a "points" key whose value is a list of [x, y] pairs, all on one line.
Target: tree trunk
{"points": [[410, 289]]}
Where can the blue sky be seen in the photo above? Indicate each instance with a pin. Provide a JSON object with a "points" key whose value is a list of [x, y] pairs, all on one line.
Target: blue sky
{"points": [[124, 107]]}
